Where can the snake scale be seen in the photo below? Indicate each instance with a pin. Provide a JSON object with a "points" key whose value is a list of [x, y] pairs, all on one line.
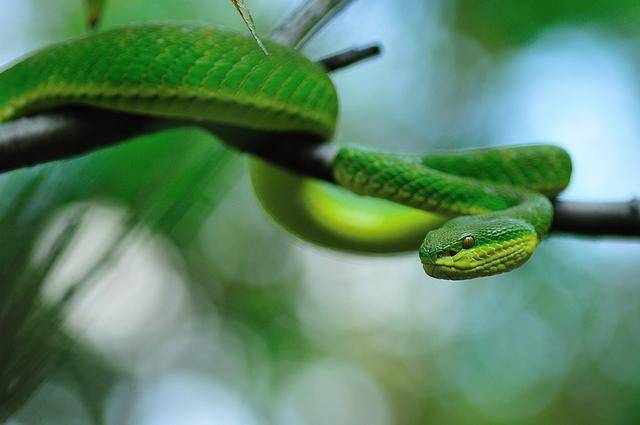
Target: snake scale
{"points": [[491, 206]]}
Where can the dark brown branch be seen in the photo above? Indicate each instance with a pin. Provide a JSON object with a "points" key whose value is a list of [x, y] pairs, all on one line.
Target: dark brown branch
{"points": [[72, 132], [348, 57], [68, 133], [598, 218]]}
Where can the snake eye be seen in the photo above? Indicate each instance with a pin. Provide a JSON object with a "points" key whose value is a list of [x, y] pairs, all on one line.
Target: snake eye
{"points": [[468, 242]]}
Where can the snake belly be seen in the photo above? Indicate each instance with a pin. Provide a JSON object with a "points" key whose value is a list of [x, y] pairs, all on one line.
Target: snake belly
{"points": [[206, 74]]}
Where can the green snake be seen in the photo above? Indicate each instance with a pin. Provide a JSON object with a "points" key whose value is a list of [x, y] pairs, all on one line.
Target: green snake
{"points": [[486, 209]]}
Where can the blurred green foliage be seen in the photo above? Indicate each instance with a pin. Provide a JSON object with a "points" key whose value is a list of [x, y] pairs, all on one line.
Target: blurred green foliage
{"points": [[512, 23], [184, 304], [170, 187]]}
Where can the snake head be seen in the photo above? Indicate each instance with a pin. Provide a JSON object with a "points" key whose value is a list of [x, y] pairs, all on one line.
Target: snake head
{"points": [[476, 246]]}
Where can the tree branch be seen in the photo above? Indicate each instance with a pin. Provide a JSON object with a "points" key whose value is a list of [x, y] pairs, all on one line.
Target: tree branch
{"points": [[75, 131], [306, 21], [598, 218], [70, 132], [348, 57]]}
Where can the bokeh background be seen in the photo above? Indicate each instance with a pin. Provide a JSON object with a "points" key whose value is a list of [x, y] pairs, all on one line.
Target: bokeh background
{"points": [[143, 285]]}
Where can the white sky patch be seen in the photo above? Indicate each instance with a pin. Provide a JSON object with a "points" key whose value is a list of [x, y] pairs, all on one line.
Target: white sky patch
{"points": [[14, 14], [181, 397], [580, 90], [332, 393]]}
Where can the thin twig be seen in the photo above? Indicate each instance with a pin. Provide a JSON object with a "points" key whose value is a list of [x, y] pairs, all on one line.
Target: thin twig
{"points": [[348, 57], [306, 21]]}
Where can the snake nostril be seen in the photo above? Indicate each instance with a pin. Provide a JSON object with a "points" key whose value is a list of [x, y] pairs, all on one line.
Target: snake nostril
{"points": [[452, 252]]}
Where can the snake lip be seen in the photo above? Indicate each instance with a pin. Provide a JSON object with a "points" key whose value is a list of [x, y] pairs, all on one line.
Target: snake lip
{"points": [[433, 263], [444, 267], [429, 267], [437, 271], [434, 267]]}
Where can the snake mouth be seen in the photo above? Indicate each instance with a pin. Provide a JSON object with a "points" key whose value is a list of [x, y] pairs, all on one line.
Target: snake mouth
{"points": [[443, 265], [484, 261]]}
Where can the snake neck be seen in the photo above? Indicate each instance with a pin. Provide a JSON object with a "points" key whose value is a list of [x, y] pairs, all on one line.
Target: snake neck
{"points": [[539, 168], [499, 218], [406, 180]]}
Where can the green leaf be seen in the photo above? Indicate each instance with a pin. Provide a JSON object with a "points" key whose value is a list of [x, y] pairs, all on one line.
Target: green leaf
{"points": [[500, 24], [168, 183]]}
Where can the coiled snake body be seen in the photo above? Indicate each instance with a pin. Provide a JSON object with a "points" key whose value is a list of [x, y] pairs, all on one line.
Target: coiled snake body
{"points": [[492, 204]]}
